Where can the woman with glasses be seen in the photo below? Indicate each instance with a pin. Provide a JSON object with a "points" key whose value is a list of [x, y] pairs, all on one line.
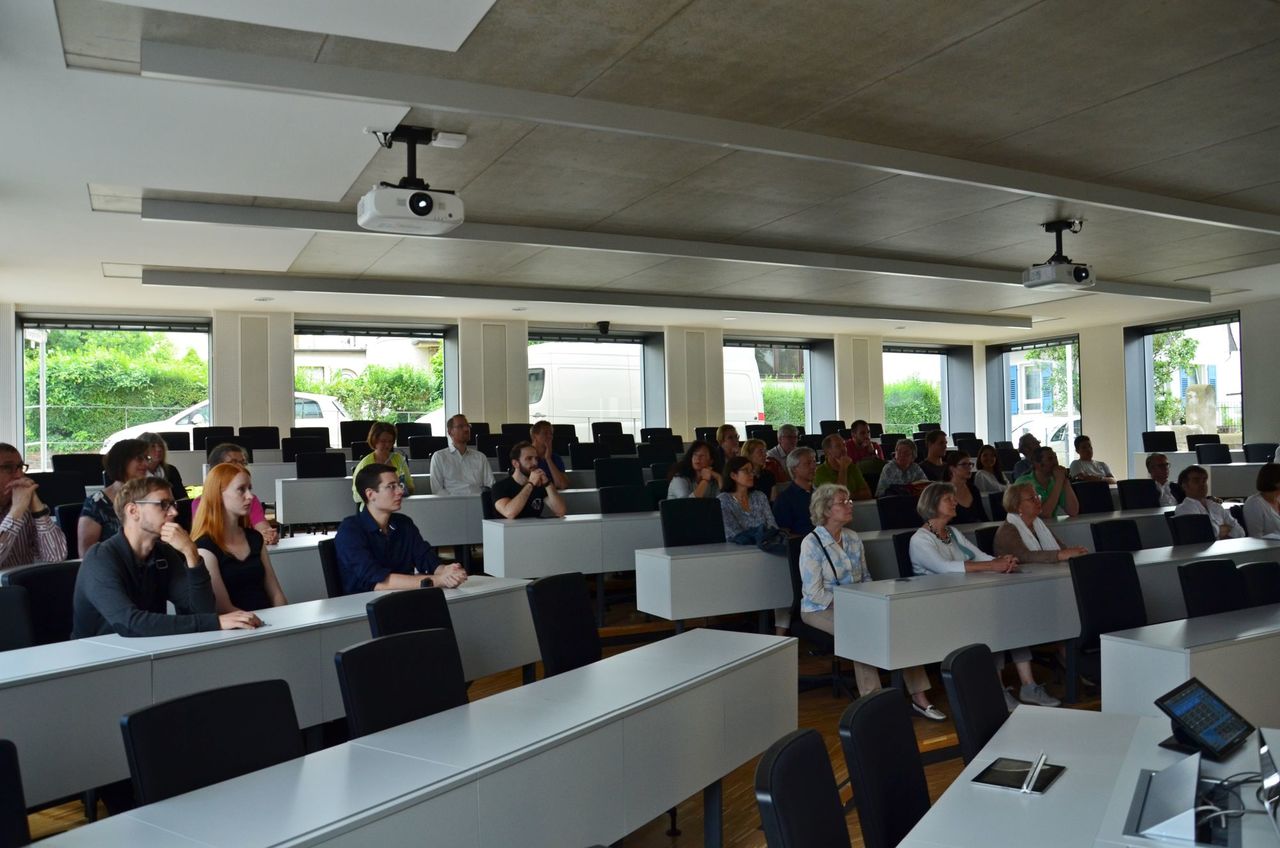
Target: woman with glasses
{"points": [[234, 454], [832, 555], [957, 469], [158, 463], [233, 552], [382, 438], [125, 461]]}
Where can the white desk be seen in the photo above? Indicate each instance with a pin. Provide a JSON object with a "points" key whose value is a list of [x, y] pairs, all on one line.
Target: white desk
{"points": [[1233, 653], [1237, 480], [581, 758], [701, 580], [1178, 460]]}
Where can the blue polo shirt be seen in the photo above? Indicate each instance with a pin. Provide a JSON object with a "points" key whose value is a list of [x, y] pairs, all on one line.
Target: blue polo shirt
{"points": [[366, 555], [791, 510]]}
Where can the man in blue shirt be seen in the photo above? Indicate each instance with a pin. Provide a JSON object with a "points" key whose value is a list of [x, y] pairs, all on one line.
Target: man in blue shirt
{"points": [[379, 549], [791, 508]]}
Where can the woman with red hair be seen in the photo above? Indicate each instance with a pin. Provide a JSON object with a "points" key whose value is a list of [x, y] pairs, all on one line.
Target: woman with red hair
{"points": [[232, 550]]}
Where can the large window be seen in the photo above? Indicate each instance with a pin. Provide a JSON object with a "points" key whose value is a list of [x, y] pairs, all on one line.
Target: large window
{"points": [[1042, 393], [1194, 378], [88, 384], [914, 388], [576, 380], [764, 382]]}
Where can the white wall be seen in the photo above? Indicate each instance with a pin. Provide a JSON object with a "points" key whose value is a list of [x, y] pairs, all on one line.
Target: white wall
{"points": [[695, 378], [493, 371]]}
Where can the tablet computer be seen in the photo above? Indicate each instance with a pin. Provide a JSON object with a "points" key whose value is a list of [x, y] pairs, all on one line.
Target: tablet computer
{"points": [[1203, 720]]}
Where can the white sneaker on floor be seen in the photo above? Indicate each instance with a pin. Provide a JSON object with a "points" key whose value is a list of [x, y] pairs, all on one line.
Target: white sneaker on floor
{"points": [[930, 712], [1010, 701], [1033, 693]]}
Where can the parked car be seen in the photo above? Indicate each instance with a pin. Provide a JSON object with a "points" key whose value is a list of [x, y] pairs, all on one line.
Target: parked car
{"points": [[309, 411]]}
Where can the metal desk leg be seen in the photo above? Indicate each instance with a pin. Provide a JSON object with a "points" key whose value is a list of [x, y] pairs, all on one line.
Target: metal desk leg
{"points": [[712, 816]]}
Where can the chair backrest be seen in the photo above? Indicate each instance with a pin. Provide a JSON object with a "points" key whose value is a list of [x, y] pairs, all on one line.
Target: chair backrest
{"points": [[321, 464], [1094, 496], [647, 433], [563, 622], [902, 552], [87, 466], [830, 425], [264, 438], [412, 609], [321, 433], [329, 567], [1261, 582], [885, 771], [649, 454], [16, 630], [619, 471], [67, 516], [897, 512], [1194, 439], [421, 447], [487, 507], [14, 830], [1260, 451], [395, 679], [1108, 594], [1118, 534], [409, 430], [359, 450], [1159, 441], [517, 431], [625, 499], [599, 429], [176, 440], [797, 795], [1213, 453], [691, 521], [203, 438], [1191, 529], [985, 538], [50, 587], [292, 446], [186, 743], [1138, 493], [975, 696], [584, 455], [59, 487], [995, 506], [1212, 586], [354, 431]]}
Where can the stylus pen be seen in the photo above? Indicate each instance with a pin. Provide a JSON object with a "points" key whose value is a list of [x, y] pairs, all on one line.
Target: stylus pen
{"points": [[1034, 773]]}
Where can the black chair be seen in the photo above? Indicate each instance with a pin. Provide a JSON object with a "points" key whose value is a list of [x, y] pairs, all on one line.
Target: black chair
{"points": [[421, 447], [1159, 441], [969, 446], [657, 489], [321, 464], [1261, 582], [396, 679], [1194, 439], [1094, 496], [618, 471], [618, 444], [16, 629], [176, 440], [513, 432], [203, 438], [1116, 535], [329, 568], [564, 622], [59, 487], [649, 454], [259, 438], [902, 553], [797, 795], [1007, 458], [885, 770], [995, 506], [897, 512], [1191, 529], [820, 639], [583, 455], [413, 609], [411, 430], [975, 695], [320, 433], [1138, 493], [614, 499], [359, 450], [599, 429], [87, 466], [647, 433], [690, 521], [478, 429], [50, 587], [67, 516], [705, 434], [1212, 586], [186, 743], [291, 447], [1213, 454], [353, 431], [1260, 451], [487, 508], [13, 803], [829, 426], [985, 538], [1108, 598]]}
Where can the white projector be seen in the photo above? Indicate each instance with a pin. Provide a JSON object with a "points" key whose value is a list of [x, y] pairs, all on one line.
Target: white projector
{"points": [[1059, 276], [411, 211]]}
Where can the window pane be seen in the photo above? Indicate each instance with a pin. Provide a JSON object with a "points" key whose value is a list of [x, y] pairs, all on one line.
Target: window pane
{"points": [[1195, 382], [580, 383], [763, 384], [912, 391], [1042, 397], [84, 390]]}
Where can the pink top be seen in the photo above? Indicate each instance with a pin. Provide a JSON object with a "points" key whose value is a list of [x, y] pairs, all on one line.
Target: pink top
{"points": [[257, 514]]}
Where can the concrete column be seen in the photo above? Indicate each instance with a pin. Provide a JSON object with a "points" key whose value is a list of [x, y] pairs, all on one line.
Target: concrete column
{"points": [[695, 378], [1259, 351], [1102, 391], [493, 370], [10, 377], [251, 379]]}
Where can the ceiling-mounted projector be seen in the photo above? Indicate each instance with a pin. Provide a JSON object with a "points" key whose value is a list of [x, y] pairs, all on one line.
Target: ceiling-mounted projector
{"points": [[1059, 273], [409, 211]]}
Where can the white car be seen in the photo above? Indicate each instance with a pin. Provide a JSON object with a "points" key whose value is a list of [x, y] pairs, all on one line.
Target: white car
{"points": [[309, 411]]}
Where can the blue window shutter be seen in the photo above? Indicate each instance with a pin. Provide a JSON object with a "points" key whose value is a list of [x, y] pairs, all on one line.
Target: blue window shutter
{"points": [[1046, 391], [1213, 376], [1013, 389], [1182, 382]]}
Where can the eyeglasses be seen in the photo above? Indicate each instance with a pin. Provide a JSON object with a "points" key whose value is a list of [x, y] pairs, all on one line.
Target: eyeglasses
{"points": [[11, 467], [165, 505]]}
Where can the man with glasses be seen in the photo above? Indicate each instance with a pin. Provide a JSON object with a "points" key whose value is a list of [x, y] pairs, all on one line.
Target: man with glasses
{"points": [[124, 582], [235, 455], [379, 549], [27, 531]]}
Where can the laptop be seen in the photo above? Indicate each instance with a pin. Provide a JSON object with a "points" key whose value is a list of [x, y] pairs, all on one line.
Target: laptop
{"points": [[1270, 781]]}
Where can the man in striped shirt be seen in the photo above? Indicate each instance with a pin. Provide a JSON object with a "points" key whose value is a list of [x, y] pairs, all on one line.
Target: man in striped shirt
{"points": [[27, 532]]}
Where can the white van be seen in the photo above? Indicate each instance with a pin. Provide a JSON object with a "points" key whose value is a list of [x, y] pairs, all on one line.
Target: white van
{"points": [[582, 382], [309, 410]]}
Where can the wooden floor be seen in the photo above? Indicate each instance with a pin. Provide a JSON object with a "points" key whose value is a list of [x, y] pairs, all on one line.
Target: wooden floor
{"points": [[817, 709]]}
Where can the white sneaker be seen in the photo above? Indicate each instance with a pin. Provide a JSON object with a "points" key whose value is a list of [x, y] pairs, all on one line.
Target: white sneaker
{"points": [[1033, 693], [1009, 701]]}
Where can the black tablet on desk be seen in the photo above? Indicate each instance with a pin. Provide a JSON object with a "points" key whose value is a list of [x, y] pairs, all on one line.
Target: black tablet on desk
{"points": [[1202, 720]]}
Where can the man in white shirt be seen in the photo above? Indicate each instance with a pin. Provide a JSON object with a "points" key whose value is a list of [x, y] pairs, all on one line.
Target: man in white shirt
{"points": [[1158, 468], [1194, 480], [459, 470]]}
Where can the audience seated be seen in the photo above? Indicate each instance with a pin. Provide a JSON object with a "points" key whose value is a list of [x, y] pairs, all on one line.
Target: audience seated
{"points": [[989, 477], [380, 549], [958, 471], [746, 513], [902, 476], [157, 463], [27, 532], [1086, 469], [458, 469], [382, 439], [1262, 510], [1194, 481], [234, 454], [126, 460], [838, 468], [1027, 446], [788, 436], [727, 445], [791, 509], [234, 553], [932, 464], [126, 580], [756, 451], [1050, 481], [1158, 467], [832, 555], [523, 494], [695, 476], [938, 549], [542, 436]]}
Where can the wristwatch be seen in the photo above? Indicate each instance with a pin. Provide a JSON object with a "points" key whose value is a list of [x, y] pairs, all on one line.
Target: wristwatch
{"points": [[41, 513]]}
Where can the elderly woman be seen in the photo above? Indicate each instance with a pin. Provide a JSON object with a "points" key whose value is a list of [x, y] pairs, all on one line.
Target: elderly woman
{"points": [[126, 460], [902, 476], [695, 476], [757, 451], [158, 463], [937, 548], [832, 555], [958, 471], [839, 468], [988, 476], [1262, 510], [382, 438], [1194, 481]]}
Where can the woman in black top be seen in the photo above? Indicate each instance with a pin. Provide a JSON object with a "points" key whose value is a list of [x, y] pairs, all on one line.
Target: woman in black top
{"points": [[958, 471], [233, 551]]}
